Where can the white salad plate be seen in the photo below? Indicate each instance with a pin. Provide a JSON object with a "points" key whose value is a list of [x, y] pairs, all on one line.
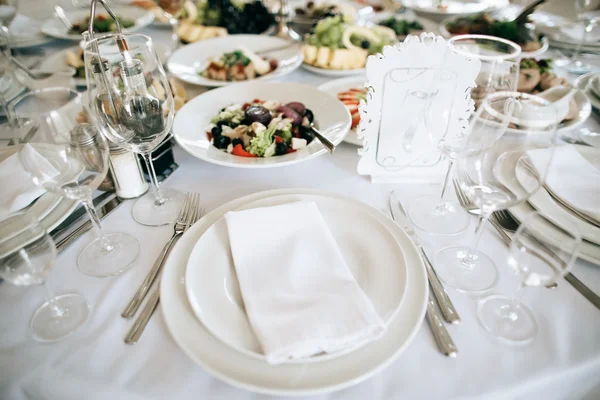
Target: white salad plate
{"points": [[191, 121], [256, 375], [377, 264], [585, 110], [584, 83], [430, 8], [189, 61], [54, 26], [507, 177], [543, 201], [334, 73], [341, 85]]}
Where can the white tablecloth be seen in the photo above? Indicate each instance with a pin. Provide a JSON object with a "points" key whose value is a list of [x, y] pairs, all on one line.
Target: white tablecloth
{"points": [[94, 363]]}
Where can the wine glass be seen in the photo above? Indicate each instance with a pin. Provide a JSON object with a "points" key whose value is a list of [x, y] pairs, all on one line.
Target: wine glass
{"points": [[588, 13], [434, 214], [8, 11], [492, 170], [10, 130], [132, 104], [27, 254], [71, 159], [539, 257]]}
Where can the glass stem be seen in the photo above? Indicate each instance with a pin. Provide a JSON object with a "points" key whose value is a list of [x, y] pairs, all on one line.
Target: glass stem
{"points": [[511, 311], [174, 36], [586, 30], [88, 204], [57, 310], [470, 257], [159, 200], [448, 175]]}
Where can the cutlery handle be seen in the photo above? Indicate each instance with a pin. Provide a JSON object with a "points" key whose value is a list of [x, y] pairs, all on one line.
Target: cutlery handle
{"points": [[326, 142], [74, 235], [142, 291], [583, 289], [440, 333], [140, 323], [446, 306]]}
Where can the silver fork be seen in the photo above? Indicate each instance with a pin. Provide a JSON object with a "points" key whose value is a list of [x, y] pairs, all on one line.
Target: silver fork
{"points": [[140, 323], [502, 221], [184, 219]]}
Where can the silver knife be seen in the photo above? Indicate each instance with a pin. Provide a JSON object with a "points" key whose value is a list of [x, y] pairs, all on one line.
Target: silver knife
{"points": [[446, 306]]}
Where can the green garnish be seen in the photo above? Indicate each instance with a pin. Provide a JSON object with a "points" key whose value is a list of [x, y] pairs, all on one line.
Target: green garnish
{"points": [[402, 27]]}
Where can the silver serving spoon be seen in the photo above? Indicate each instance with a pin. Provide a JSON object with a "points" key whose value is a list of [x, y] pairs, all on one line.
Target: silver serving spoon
{"points": [[33, 75], [324, 141]]}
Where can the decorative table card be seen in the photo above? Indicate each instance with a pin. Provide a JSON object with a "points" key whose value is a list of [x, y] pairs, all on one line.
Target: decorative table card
{"points": [[405, 85]]}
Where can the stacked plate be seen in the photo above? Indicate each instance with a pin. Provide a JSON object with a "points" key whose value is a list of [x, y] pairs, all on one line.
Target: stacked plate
{"points": [[590, 85], [562, 204], [49, 209], [207, 318]]}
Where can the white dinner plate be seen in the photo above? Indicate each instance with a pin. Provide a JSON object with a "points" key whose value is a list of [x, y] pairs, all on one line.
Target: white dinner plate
{"points": [[546, 205], [54, 27], [189, 128], [507, 176], [188, 61], [430, 8], [249, 373], [584, 84], [25, 32], [340, 85], [370, 250], [585, 110], [334, 73]]}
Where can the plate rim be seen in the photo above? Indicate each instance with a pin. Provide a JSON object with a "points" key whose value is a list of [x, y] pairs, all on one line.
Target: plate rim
{"points": [[180, 249], [192, 299]]}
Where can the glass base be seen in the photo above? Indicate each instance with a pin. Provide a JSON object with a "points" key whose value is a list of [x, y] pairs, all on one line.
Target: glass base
{"points": [[464, 271], [507, 323], [574, 66], [442, 218], [94, 260], [47, 326], [147, 212]]}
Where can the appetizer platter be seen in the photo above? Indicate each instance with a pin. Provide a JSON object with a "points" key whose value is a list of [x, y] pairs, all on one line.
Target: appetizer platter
{"points": [[350, 91], [260, 125], [307, 14], [538, 77], [132, 18], [229, 59], [201, 21], [336, 48], [519, 30]]}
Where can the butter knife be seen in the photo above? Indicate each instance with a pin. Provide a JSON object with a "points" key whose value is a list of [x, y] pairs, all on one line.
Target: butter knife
{"points": [[446, 306]]}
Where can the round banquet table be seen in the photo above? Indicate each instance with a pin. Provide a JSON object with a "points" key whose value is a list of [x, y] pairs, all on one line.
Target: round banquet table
{"points": [[95, 364]]}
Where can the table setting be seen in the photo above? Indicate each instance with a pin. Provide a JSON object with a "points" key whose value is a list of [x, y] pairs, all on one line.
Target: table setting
{"points": [[320, 200]]}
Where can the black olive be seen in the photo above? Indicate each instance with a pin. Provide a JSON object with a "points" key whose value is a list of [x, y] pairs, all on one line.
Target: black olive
{"points": [[237, 141], [309, 115], [221, 141], [365, 44], [280, 149], [220, 124], [306, 134], [216, 131], [258, 114]]}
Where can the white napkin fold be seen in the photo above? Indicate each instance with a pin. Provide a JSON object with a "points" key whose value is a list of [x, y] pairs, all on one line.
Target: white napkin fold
{"points": [[575, 32], [571, 177], [18, 190], [300, 297]]}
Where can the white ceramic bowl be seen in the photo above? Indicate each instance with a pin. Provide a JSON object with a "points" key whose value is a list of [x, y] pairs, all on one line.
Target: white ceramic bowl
{"points": [[189, 128]]}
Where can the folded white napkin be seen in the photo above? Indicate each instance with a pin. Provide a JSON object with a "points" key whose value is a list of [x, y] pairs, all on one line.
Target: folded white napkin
{"points": [[300, 297], [571, 177], [18, 190], [575, 32]]}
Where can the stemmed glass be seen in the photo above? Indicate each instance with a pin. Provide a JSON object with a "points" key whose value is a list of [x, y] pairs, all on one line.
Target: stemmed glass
{"points": [[8, 11], [10, 130], [489, 171], [588, 13], [71, 159], [539, 257], [27, 254], [132, 104]]}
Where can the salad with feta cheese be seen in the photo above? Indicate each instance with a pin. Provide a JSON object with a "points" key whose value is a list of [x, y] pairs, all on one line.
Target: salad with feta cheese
{"points": [[261, 128]]}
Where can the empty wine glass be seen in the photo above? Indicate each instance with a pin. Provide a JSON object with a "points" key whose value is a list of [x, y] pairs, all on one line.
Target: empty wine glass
{"points": [[8, 11], [71, 159], [27, 254], [132, 104], [539, 256], [443, 122], [588, 13], [493, 171]]}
